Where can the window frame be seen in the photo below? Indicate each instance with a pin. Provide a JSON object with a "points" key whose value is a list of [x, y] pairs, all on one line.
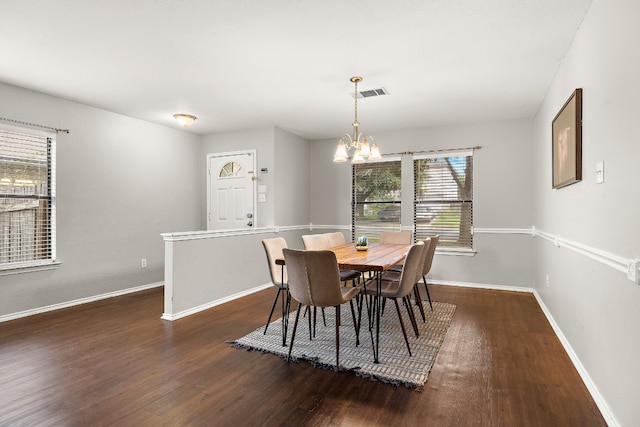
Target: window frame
{"points": [[408, 160], [50, 260], [463, 201], [373, 233]]}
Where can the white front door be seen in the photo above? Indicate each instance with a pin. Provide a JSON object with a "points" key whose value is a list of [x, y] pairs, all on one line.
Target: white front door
{"points": [[230, 190]]}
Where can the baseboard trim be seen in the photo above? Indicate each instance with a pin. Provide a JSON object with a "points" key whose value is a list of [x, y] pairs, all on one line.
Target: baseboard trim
{"points": [[593, 389], [171, 317], [482, 286], [80, 301]]}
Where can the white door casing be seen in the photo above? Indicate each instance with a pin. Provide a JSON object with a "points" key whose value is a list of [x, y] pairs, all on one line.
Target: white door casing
{"points": [[231, 190]]}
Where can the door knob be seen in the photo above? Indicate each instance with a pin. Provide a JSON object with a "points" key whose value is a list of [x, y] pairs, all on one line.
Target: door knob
{"points": [[250, 224]]}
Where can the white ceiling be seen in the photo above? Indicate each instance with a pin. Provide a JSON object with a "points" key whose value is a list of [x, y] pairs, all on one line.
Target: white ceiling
{"points": [[241, 64]]}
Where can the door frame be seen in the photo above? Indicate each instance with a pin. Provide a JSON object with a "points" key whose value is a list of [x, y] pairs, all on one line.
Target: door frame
{"points": [[254, 181]]}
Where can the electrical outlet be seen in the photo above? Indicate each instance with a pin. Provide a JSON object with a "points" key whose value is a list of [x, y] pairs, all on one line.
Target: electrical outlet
{"points": [[546, 280], [143, 263], [632, 271]]}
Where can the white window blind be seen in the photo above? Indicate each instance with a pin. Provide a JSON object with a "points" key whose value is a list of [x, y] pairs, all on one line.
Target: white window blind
{"points": [[27, 198], [444, 198], [376, 198]]}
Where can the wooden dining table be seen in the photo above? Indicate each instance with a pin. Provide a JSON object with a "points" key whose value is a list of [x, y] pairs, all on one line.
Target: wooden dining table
{"points": [[378, 258]]}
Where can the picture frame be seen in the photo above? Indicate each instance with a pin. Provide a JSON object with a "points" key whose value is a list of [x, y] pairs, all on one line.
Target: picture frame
{"points": [[566, 149]]}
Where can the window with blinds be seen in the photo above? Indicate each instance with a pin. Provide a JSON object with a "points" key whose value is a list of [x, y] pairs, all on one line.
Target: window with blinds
{"points": [[444, 198], [27, 202], [376, 198]]}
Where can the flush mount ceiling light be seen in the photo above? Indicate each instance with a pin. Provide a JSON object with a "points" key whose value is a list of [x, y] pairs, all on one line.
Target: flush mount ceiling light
{"points": [[359, 141], [185, 120]]}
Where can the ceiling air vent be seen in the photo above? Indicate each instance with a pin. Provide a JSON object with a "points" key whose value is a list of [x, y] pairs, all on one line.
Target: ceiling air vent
{"points": [[372, 92]]}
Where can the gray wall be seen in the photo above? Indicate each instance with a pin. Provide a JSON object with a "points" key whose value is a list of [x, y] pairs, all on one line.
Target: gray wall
{"points": [[120, 183], [595, 306], [203, 268], [263, 141], [292, 182], [286, 158], [503, 204]]}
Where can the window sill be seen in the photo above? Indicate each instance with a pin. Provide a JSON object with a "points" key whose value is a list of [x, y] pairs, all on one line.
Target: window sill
{"points": [[28, 267], [456, 252]]}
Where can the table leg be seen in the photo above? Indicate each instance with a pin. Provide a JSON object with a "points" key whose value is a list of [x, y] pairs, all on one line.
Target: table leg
{"points": [[378, 292], [370, 317]]}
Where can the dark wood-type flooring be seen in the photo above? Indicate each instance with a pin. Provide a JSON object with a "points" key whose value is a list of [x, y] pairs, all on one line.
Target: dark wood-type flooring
{"points": [[115, 362]]}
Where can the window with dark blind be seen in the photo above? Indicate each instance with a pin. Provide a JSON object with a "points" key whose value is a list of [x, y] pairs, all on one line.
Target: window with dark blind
{"points": [[444, 198], [27, 198], [376, 198]]}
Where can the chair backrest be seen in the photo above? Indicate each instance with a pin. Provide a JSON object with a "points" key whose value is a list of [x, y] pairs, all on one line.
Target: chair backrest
{"points": [[396, 237], [429, 256], [313, 277], [425, 252], [411, 270], [316, 242], [336, 239], [273, 248]]}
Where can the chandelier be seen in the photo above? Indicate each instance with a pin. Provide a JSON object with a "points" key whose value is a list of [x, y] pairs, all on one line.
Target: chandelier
{"points": [[359, 141]]}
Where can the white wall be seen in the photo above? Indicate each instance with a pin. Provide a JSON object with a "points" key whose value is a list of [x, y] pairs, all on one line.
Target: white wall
{"points": [[503, 204], [120, 183], [595, 306]]}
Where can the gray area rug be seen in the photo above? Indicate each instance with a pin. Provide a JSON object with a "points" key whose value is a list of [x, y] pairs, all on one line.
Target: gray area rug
{"points": [[395, 367]]}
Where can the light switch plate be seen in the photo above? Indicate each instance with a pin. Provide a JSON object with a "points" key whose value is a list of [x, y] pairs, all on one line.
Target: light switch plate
{"points": [[262, 197]]}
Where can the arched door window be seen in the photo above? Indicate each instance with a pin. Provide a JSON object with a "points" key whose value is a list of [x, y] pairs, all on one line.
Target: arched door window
{"points": [[231, 170]]}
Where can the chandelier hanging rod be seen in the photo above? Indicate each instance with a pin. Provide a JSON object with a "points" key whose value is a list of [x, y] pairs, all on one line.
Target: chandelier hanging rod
{"points": [[359, 141]]}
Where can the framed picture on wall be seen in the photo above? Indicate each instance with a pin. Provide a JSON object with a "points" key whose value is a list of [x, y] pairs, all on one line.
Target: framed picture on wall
{"points": [[567, 142]]}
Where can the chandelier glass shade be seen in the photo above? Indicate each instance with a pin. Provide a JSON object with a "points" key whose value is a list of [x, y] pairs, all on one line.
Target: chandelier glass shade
{"points": [[359, 141]]}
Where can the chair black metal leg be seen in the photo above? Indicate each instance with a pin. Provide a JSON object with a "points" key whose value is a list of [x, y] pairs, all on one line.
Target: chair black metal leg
{"points": [[412, 316], [285, 315], [275, 301], [416, 293], [293, 334], [355, 323], [337, 338], [368, 303], [426, 287], [404, 331], [312, 328]]}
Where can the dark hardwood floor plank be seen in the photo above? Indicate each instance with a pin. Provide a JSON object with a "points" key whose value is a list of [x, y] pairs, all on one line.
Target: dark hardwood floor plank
{"points": [[115, 362]]}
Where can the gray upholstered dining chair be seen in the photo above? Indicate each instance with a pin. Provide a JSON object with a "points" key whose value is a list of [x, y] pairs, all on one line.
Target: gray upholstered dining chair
{"points": [[400, 289], [314, 281], [426, 267], [394, 274], [336, 238], [273, 248], [318, 242], [396, 238]]}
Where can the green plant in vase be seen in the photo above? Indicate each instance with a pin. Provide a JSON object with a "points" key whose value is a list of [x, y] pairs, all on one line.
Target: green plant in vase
{"points": [[362, 243]]}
